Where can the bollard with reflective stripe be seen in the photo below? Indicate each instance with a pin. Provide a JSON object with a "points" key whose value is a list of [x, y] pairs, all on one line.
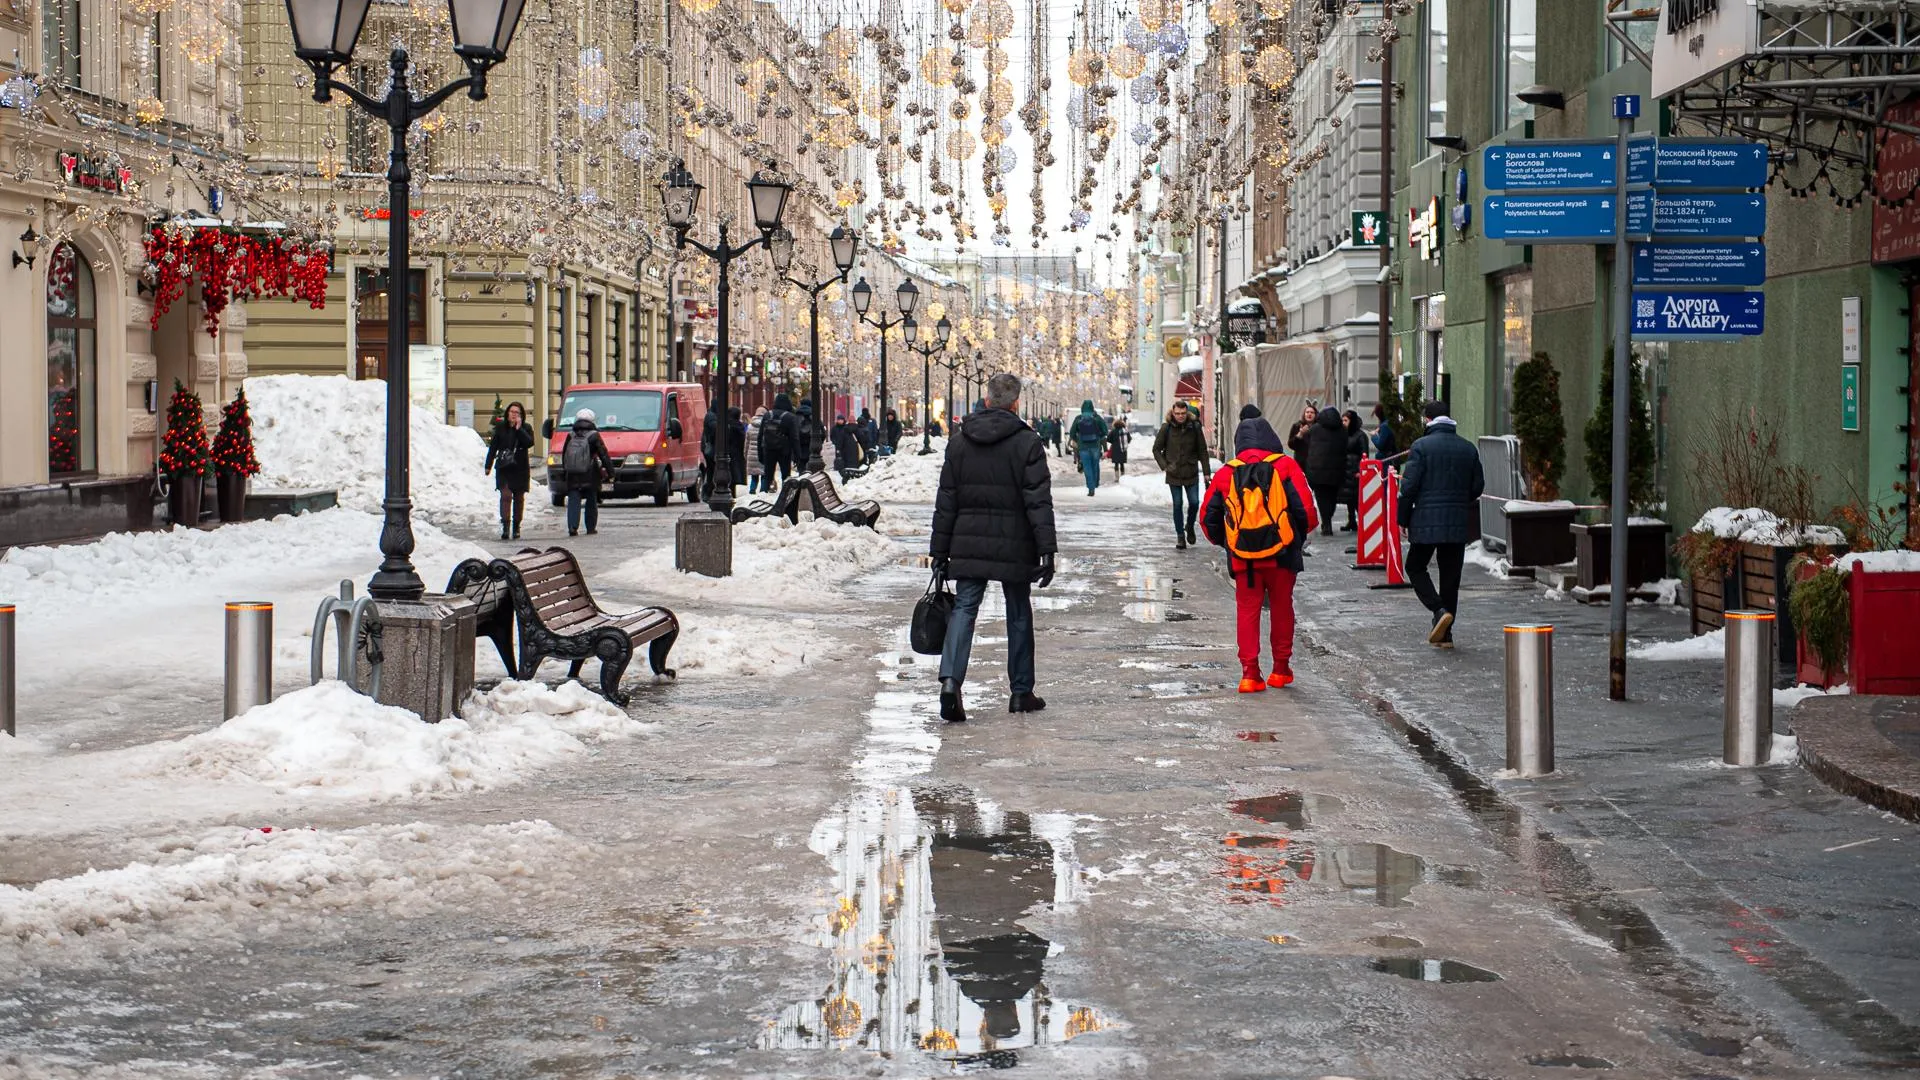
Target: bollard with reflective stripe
{"points": [[1749, 718], [6, 668], [249, 656], [1530, 699]]}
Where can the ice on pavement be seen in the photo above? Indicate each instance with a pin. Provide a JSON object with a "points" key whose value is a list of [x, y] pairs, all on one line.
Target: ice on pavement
{"points": [[773, 560], [205, 883], [329, 431]]}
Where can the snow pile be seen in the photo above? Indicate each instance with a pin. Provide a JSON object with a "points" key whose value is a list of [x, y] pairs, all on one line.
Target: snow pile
{"points": [[1521, 506], [329, 431], [1709, 646], [1495, 565], [235, 559], [328, 740], [1794, 695], [1882, 562], [736, 647], [1133, 489], [905, 477], [775, 564], [1755, 526], [405, 869]]}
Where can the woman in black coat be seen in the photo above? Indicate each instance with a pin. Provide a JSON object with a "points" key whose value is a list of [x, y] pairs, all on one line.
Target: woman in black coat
{"points": [[1356, 451], [1326, 463], [737, 445], [512, 470]]}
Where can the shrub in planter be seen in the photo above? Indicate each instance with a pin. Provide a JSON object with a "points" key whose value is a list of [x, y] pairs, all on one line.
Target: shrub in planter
{"points": [[1402, 411], [1599, 437], [1537, 420], [1822, 618]]}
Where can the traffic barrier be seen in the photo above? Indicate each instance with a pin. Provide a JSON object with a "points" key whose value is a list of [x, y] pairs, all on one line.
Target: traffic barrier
{"points": [[1370, 543], [1396, 566], [1530, 699], [1748, 735]]}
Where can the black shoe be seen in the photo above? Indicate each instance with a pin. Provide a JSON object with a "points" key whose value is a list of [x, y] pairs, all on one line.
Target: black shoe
{"points": [[1027, 702], [573, 532], [1179, 542], [1442, 634], [1190, 537], [593, 532], [516, 530], [503, 531], [951, 710]]}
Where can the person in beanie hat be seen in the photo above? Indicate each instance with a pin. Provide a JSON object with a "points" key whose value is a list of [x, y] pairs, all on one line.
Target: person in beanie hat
{"points": [[1439, 504], [1263, 541]]}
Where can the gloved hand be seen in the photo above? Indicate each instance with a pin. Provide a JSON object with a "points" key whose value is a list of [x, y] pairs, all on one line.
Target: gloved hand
{"points": [[1046, 571], [940, 566]]}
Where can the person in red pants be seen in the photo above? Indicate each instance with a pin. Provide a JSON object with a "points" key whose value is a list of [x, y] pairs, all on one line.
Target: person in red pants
{"points": [[1259, 508]]}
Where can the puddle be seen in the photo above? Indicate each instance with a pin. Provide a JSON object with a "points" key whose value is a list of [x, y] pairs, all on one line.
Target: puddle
{"points": [[1172, 690], [1181, 646], [1393, 941], [926, 935], [1706, 1045], [1257, 736], [1267, 872], [1242, 840], [1145, 612], [1569, 1061], [1376, 871], [1052, 603], [1294, 809], [1165, 665], [1181, 616], [1420, 969]]}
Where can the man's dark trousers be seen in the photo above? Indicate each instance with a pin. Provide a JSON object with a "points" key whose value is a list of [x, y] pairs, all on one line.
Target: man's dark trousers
{"points": [[1450, 557]]}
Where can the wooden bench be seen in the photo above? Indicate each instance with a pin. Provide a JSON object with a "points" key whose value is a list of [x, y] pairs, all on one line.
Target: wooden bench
{"points": [[786, 505], [543, 595], [812, 493]]}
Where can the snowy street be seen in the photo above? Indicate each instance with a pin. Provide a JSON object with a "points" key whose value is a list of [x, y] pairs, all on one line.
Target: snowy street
{"points": [[782, 864]]}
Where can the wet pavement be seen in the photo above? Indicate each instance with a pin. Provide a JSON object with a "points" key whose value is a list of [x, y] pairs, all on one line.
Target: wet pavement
{"points": [[813, 877]]}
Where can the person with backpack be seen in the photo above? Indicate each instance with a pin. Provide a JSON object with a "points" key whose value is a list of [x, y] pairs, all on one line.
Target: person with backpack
{"points": [[584, 461], [1089, 433], [779, 438], [807, 430], [1259, 508]]}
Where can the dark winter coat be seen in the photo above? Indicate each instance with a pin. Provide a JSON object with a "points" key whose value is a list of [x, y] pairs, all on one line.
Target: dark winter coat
{"points": [[867, 432], [585, 429], [1297, 438], [1356, 452], [846, 446], [1088, 430], [1181, 451], [507, 456], [809, 431], [782, 417], [993, 516], [1440, 490], [1384, 443], [1326, 458], [890, 428], [1117, 439], [736, 446]]}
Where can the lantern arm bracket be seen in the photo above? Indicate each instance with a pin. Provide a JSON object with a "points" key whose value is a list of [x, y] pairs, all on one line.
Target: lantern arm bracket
{"points": [[720, 252], [814, 290]]}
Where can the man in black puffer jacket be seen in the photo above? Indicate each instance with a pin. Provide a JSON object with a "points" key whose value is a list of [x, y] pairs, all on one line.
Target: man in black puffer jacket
{"points": [[1326, 463], [993, 521]]}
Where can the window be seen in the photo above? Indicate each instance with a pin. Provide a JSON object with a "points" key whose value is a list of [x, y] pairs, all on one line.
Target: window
{"points": [[1436, 97], [1517, 44], [71, 375], [60, 41], [370, 331], [1641, 31], [1514, 344]]}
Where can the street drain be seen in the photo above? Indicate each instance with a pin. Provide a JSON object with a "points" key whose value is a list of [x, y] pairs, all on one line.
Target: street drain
{"points": [[1421, 969], [1294, 809], [1569, 1061], [1393, 941]]}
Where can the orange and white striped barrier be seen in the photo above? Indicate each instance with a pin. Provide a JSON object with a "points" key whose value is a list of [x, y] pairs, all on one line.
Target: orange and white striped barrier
{"points": [[1395, 563], [1370, 545]]}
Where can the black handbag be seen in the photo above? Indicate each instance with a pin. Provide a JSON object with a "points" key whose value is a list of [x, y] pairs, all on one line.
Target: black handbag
{"points": [[928, 633]]}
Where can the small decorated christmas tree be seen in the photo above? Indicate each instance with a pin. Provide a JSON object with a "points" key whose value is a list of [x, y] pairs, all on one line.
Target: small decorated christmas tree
{"points": [[63, 434], [184, 451], [499, 412], [233, 445]]}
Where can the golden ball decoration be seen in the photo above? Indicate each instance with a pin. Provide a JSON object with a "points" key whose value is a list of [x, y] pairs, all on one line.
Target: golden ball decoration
{"points": [[997, 61], [1275, 9], [1000, 94], [699, 7], [1274, 67], [961, 145], [995, 134], [936, 66], [956, 7], [841, 1017], [1084, 66], [1155, 14], [149, 110], [1126, 62], [1223, 12], [198, 31]]}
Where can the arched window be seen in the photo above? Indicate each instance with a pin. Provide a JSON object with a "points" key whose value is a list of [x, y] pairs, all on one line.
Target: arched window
{"points": [[71, 376]]}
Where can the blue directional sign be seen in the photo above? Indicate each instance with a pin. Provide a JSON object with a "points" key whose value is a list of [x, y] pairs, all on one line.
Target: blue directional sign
{"points": [[1548, 219], [1679, 215], [1543, 165], [1676, 164], [1682, 315], [1700, 264]]}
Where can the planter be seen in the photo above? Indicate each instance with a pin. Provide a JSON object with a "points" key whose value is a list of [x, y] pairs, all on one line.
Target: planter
{"points": [[1708, 599], [1646, 553], [1541, 536], [183, 500], [1885, 655], [1809, 670], [230, 498], [1765, 585]]}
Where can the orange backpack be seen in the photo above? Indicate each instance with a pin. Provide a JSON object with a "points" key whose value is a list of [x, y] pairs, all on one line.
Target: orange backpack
{"points": [[1258, 526]]}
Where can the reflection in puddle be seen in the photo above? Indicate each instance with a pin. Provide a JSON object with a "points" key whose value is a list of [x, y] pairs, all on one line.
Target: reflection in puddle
{"points": [[1052, 603], [1376, 870], [1266, 872], [1257, 736], [928, 951], [1266, 865], [1242, 840], [1440, 971], [1294, 809], [1393, 941], [1145, 612]]}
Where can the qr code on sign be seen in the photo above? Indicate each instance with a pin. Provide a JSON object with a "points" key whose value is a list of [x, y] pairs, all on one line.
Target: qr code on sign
{"points": [[1643, 309]]}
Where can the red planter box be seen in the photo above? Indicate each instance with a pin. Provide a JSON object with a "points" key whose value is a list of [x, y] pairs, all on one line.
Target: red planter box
{"points": [[1886, 633]]}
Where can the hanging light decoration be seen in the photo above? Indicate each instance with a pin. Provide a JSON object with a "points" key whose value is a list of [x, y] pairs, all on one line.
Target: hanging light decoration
{"points": [[960, 145], [1275, 9], [996, 133], [593, 86], [1223, 12], [1125, 61], [1155, 14], [1084, 66], [699, 7], [1173, 39], [1274, 67], [936, 66], [201, 34]]}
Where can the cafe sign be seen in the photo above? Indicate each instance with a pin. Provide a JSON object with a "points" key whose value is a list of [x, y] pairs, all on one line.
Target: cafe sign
{"points": [[91, 175]]}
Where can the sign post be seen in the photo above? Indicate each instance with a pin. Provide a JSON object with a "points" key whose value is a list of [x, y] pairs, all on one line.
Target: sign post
{"points": [[1625, 108]]}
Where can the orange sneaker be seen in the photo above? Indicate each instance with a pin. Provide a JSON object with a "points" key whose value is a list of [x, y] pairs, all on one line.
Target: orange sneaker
{"points": [[1280, 679], [1252, 686]]}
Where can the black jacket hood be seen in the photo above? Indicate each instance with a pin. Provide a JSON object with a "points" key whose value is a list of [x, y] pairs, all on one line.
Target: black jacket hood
{"points": [[582, 426], [991, 426], [1257, 434], [1329, 419], [782, 403]]}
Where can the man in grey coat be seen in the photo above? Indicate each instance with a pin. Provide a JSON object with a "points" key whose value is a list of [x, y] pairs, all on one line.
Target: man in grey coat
{"points": [[1439, 503]]}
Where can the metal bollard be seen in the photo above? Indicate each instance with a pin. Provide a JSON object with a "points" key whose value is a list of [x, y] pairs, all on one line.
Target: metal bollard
{"points": [[6, 668], [1749, 717], [249, 656], [1530, 699]]}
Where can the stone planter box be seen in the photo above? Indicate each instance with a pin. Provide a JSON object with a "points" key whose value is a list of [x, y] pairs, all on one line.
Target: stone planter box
{"points": [[1539, 535], [1646, 553], [269, 504]]}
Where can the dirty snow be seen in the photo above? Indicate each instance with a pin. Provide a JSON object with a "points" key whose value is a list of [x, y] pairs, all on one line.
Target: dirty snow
{"points": [[774, 563], [330, 432], [1788, 698], [1494, 565], [734, 646], [1709, 646], [903, 477], [1756, 526]]}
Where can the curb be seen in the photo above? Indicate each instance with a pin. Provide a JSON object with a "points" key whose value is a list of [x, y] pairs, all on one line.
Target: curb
{"points": [[1840, 744]]}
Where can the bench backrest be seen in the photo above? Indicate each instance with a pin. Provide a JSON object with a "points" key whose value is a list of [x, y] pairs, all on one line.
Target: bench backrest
{"points": [[824, 491], [555, 587]]}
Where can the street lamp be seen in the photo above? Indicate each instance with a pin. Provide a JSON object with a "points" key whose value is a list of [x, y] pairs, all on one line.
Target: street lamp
{"points": [[943, 330], [908, 297], [843, 245], [324, 35], [679, 199]]}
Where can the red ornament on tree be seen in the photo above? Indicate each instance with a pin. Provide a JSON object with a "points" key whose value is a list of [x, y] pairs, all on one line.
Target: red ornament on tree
{"points": [[233, 444], [184, 449]]}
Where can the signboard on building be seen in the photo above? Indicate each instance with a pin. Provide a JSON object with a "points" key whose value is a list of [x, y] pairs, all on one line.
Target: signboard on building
{"points": [[1423, 229], [1672, 164], [1685, 315], [1896, 229], [1734, 265], [1700, 38], [1850, 398], [1549, 219], [1849, 329], [1546, 164], [1369, 229], [427, 378], [1724, 215]]}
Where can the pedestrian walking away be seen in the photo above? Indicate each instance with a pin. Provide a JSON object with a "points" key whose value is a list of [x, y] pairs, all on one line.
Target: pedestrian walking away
{"points": [[993, 521], [868, 432], [846, 447], [1180, 449], [507, 459], [890, 432], [736, 445], [1117, 439], [1439, 503], [1326, 463], [1350, 484], [584, 462], [808, 430], [755, 468], [779, 438], [1089, 434], [1257, 509]]}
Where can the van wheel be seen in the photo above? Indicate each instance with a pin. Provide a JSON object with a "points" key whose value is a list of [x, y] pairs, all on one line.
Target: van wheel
{"points": [[661, 496]]}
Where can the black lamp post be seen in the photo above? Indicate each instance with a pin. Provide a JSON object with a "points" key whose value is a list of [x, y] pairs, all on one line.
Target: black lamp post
{"points": [[680, 196], [908, 297], [780, 248], [943, 330], [324, 35]]}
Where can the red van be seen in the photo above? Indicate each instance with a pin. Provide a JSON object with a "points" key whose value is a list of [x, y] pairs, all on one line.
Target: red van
{"points": [[652, 431]]}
